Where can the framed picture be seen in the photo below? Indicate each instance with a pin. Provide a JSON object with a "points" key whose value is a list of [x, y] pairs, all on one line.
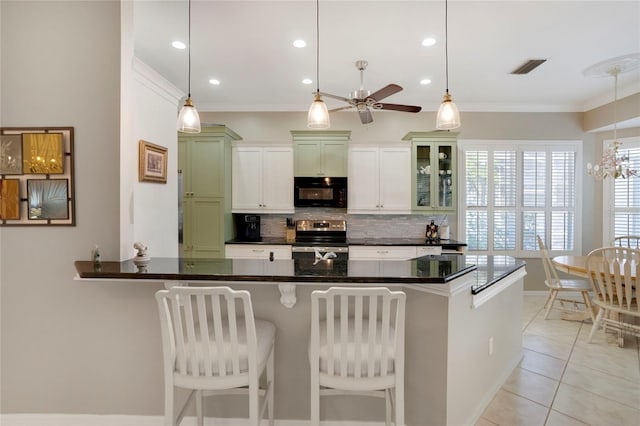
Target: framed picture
{"points": [[10, 154], [37, 184], [9, 199], [153, 163], [48, 199], [42, 153]]}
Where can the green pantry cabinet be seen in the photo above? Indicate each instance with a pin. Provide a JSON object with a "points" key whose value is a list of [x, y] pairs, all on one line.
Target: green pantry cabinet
{"points": [[204, 160], [320, 153], [433, 168]]}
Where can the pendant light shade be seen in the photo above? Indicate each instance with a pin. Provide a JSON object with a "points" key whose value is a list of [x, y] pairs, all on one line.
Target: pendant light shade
{"points": [[318, 117], [448, 117], [188, 118]]}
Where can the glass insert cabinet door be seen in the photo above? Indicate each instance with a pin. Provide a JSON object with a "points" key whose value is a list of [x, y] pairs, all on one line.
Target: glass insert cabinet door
{"points": [[434, 173]]}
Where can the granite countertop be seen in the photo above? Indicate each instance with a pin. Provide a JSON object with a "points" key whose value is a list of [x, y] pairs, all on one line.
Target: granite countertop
{"points": [[423, 270], [446, 244]]}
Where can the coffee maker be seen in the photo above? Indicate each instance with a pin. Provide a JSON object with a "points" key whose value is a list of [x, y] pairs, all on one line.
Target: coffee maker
{"points": [[247, 227]]}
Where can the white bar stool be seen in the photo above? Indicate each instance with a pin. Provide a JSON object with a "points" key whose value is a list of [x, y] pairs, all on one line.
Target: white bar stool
{"points": [[357, 346], [213, 345]]}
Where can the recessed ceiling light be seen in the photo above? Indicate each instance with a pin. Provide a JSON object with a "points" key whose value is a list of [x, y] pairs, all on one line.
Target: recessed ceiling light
{"points": [[425, 81], [429, 41], [214, 82], [299, 43], [307, 81], [178, 45]]}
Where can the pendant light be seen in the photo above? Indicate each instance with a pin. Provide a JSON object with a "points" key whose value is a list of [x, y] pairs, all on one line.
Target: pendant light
{"points": [[188, 119], [448, 115], [318, 117]]}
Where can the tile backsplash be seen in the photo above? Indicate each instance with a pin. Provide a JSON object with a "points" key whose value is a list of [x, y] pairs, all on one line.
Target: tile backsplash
{"points": [[361, 225]]}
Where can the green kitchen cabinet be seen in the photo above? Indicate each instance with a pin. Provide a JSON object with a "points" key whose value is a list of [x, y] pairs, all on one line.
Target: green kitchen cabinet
{"points": [[433, 170], [204, 162], [320, 153]]}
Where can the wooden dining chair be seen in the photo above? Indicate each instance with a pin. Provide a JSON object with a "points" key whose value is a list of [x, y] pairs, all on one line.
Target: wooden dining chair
{"points": [[631, 241], [613, 273], [213, 345], [557, 285], [357, 346]]}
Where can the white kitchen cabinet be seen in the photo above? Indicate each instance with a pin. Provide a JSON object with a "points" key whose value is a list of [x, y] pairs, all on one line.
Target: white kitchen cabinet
{"points": [[382, 252], [428, 251], [392, 255], [244, 256], [379, 180], [262, 179], [257, 251]]}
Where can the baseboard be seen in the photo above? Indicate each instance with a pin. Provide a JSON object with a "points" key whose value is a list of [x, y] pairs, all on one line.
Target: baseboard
{"points": [[121, 420]]}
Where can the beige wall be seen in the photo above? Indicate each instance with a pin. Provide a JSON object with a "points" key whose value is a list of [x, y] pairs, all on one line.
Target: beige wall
{"points": [[93, 347], [71, 346]]}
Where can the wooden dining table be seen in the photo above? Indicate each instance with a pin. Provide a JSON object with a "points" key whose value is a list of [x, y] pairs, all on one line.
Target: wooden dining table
{"points": [[574, 265], [577, 265]]}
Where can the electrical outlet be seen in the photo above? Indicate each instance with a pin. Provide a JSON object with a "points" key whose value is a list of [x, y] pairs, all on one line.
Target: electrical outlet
{"points": [[491, 345]]}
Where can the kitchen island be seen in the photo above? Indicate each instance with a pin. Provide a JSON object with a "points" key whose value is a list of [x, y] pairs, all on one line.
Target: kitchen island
{"points": [[463, 325]]}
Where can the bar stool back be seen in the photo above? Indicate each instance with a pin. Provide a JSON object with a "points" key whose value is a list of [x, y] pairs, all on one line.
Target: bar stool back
{"points": [[357, 346], [213, 345]]}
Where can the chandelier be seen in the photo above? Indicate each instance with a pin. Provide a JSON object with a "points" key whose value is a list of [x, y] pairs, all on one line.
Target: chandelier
{"points": [[613, 164]]}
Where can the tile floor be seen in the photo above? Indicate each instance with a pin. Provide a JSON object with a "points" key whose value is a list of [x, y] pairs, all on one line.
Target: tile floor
{"points": [[564, 381]]}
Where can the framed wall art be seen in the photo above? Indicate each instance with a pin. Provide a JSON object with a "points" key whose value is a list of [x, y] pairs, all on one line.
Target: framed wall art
{"points": [[37, 176], [153, 163], [10, 154]]}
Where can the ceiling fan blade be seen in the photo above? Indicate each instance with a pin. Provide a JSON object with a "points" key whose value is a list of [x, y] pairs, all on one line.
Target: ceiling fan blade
{"points": [[365, 116], [396, 107], [340, 98], [386, 91], [341, 108]]}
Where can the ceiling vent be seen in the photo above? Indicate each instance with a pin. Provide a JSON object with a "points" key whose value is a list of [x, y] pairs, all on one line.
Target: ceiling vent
{"points": [[528, 66]]}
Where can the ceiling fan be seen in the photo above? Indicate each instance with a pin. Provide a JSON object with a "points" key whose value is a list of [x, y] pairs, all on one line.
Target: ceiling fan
{"points": [[364, 101]]}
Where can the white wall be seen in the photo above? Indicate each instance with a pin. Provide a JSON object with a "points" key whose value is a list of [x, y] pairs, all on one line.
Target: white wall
{"points": [[149, 104]]}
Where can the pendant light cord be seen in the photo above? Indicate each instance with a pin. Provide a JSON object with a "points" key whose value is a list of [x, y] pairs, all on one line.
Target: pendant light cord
{"points": [[446, 43], [317, 46], [189, 53]]}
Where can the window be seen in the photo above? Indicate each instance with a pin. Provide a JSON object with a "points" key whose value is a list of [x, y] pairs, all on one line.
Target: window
{"points": [[515, 190], [621, 197]]}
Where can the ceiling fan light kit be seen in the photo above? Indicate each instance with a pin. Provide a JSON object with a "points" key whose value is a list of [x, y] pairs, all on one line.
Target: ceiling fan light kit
{"points": [[188, 118], [448, 117], [318, 116]]}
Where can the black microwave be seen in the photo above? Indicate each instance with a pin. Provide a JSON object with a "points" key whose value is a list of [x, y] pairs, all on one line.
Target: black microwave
{"points": [[320, 192]]}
